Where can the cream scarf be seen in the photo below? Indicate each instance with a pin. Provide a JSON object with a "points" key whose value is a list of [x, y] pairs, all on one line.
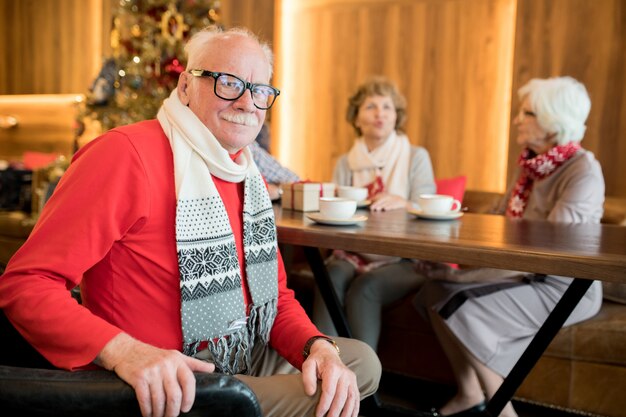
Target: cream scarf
{"points": [[213, 308], [390, 161]]}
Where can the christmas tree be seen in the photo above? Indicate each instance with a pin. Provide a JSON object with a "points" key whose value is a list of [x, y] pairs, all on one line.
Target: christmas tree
{"points": [[147, 40]]}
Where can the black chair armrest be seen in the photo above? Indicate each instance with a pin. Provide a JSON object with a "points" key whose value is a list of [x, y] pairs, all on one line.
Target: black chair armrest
{"points": [[43, 392]]}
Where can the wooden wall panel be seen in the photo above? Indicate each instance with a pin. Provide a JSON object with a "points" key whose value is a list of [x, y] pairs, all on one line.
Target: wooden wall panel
{"points": [[56, 46], [459, 62], [50, 46], [451, 58], [585, 39], [256, 15]]}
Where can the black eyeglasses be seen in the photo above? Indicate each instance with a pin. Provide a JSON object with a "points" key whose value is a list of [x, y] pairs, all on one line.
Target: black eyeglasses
{"points": [[230, 87]]}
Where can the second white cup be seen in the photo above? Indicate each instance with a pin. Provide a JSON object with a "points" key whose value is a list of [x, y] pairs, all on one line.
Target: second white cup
{"points": [[352, 193], [337, 208], [438, 203]]}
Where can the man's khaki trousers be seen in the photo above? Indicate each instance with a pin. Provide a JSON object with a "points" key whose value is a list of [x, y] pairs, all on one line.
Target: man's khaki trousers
{"points": [[279, 388]]}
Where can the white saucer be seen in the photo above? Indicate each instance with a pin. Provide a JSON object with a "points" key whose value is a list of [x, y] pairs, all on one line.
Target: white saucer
{"points": [[451, 215], [318, 218], [364, 203]]}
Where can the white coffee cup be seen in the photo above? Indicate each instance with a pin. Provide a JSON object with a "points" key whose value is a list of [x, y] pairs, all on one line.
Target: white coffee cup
{"points": [[352, 193], [337, 208], [438, 203]]}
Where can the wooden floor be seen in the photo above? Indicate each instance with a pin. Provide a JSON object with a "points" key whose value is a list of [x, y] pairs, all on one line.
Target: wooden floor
{"points": [[400, 396]]}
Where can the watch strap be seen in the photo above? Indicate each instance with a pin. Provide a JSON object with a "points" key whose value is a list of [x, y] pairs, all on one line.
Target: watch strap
{"points": [[306, 351]]}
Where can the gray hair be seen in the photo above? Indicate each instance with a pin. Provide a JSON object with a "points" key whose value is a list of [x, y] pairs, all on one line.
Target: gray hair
{"points": [[194, 48], [561, 105]]}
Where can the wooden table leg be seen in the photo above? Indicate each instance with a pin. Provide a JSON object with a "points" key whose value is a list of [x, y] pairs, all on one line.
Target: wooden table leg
{"points": [[322, 279]]}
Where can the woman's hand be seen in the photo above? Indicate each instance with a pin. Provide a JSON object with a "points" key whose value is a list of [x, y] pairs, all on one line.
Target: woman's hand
{"points": [[436, 270], [387, 202]]}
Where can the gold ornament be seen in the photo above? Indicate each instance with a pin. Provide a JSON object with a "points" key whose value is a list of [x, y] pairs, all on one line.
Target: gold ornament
{"points": [[173, 25], [135, 31], [115, 37], [214, 15]]}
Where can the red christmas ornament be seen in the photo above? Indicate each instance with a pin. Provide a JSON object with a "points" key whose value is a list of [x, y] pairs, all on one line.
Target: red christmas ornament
{"points": [[173, 67]]}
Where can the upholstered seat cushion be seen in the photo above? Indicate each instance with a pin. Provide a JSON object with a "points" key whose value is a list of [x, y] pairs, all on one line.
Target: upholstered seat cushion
{"points": [[452, 186]]}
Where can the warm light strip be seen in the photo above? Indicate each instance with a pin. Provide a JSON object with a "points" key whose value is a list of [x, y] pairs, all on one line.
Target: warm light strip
{"points": [[508, 50], [285, 78], [17, 99], [97, 27]]}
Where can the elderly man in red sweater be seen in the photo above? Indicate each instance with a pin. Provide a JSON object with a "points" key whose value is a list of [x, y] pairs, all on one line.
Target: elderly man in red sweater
{"points": [[168, 228]]}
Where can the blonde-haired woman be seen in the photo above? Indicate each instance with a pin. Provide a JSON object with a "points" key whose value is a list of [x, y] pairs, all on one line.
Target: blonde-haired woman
{"points": [[396, 173], [485, 318]]}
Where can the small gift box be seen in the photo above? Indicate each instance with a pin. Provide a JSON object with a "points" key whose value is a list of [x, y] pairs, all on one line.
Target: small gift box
{"points": [[305, 196]]}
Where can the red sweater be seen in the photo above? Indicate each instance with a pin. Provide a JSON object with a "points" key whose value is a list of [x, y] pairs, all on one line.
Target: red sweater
{"points": [[110, 227]]}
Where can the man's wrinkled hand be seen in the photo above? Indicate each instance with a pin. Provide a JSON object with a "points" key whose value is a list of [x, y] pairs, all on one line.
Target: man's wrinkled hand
{"points": [[163, 380], [340, 392]]}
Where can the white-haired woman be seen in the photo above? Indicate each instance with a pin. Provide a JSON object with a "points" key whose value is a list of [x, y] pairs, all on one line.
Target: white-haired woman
{"points": [[485, 318]]}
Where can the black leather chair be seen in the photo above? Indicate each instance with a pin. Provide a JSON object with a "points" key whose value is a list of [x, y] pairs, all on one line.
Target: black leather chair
{"points": [[30, 386]]}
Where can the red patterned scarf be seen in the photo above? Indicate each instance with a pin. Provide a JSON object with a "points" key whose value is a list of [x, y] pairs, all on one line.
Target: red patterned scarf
{"points": [[536, 167]]}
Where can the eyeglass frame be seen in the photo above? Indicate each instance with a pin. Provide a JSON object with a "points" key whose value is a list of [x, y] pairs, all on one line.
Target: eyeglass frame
{"points": [[200, 73]]}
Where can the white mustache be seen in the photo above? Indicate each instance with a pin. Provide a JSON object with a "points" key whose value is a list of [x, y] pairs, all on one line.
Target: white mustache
{"points": [[245, 119]]}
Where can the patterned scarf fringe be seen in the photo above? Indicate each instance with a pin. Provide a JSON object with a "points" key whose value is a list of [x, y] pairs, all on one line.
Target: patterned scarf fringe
{"points": [[261, 320], [231, 353]]}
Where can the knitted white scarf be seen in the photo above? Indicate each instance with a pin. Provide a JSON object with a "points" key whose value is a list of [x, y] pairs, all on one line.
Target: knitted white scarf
{"points": [[390, 161], [213, 307]]}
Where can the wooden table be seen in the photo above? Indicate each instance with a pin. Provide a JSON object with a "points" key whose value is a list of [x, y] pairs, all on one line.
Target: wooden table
{"points": [[584, 251]]}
